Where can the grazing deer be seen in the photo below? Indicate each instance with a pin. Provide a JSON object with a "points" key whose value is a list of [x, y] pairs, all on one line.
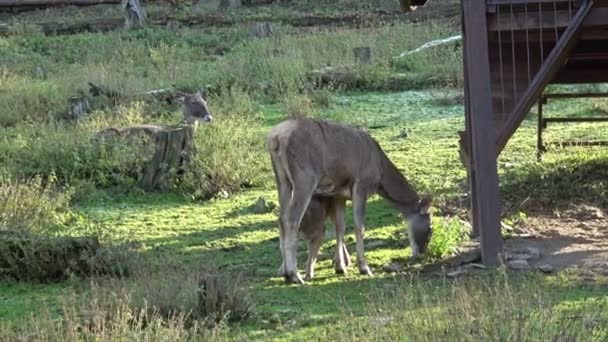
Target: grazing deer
{"points": [[312, 229], [324, 158]]}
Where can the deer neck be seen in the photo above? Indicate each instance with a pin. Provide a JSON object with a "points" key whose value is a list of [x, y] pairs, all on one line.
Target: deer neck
{"points": [[396, 189]]}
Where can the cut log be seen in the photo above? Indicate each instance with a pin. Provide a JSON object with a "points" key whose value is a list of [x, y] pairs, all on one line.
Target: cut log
{"points": [[50, 3]]}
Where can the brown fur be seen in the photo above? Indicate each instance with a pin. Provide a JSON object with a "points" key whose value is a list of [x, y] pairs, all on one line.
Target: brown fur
{"points": [[312, 229], [324, 158]]}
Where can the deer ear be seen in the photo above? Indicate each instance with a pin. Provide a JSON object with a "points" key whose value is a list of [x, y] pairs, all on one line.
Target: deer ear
{"points": [[424, 206], [202, 94]]}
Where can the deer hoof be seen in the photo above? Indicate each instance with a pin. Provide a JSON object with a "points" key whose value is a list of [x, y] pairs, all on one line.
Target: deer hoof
{"points": [[294, 278], [341, 269], [364, 270], [281, 271]]}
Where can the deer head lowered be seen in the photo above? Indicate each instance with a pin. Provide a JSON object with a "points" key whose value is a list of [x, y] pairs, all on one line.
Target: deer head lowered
{"points": [[328, 159]]}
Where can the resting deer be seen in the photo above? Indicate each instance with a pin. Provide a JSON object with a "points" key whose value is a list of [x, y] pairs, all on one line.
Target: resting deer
{"points": [[312, 229], [324, 158], [194, 110]]}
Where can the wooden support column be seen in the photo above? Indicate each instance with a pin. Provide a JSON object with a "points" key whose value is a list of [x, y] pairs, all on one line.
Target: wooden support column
{"points": [[481, 127]]}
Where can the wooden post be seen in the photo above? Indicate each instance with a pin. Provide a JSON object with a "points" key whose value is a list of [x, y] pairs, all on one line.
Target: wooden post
{"points": [[363, 55], [482, 131]]}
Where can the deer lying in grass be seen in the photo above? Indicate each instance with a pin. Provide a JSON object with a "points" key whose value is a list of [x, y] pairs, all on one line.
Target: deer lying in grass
{"points": [[312, 229], [194, 109], [324, 158]]}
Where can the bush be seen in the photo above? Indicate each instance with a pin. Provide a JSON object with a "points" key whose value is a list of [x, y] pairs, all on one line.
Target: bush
{"points": [[44, 259], [104, 315], [207, 296], [228, 154], [69, 152], [171, 305], [32, 206]]}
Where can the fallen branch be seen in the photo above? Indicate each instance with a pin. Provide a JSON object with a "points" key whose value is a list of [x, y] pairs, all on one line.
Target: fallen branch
{"points": [[431, 44]]}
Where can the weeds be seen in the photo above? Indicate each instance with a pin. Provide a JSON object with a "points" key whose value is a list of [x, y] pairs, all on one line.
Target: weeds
{"points": [[489, 310], [228, 155], [33, 206]]}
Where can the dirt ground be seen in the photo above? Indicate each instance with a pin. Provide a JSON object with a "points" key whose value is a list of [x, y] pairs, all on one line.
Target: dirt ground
{"points": [[546, 241], [577, 237]]}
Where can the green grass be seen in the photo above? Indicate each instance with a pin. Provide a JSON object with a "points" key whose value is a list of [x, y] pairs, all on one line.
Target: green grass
{"points": [[228, 234], [259, 83]]}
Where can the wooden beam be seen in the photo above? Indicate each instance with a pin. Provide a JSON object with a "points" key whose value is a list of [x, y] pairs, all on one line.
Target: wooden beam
{"points": [[550, 67], [532, 22], [482, 132], [573, 76]]}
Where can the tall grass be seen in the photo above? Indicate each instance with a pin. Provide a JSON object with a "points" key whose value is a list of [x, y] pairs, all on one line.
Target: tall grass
{"points": [[494, 309], [175, 304], [132, 62]]}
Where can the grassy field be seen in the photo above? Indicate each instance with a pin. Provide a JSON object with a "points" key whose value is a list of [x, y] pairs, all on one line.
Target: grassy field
{"points": [[208, 224]]}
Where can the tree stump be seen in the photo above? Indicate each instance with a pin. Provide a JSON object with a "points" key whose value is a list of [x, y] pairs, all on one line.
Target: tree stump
{"points": [[170, 153], [224, 4], [261, 30], [79, 107], [363, 55], [173, 146], [134, 13]]}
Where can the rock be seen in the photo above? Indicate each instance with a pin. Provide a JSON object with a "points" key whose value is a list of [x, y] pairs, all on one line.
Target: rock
{"points": [[262, 207], [455, 273], [79, 107], [518, 264], [546, 268], [475, 265], [534, 252], [381, 321], [402, 135], [393, 267], [363, 55]]}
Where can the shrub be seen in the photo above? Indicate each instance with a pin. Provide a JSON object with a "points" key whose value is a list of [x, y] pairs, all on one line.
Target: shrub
{"points": [[32, 206], [228, 155], [44, 259], [106, 315], [206, 296]]}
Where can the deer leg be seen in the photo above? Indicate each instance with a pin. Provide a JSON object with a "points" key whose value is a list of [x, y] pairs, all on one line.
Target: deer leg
{"points": [[284, 191], [281, 270], [340, 226], [359, 199], [346, 255], [293, 217], [313, 250]]}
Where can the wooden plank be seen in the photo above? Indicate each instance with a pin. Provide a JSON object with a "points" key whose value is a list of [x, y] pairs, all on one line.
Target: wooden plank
{"points": [[532, 22], [486, 199], [542, 78]]}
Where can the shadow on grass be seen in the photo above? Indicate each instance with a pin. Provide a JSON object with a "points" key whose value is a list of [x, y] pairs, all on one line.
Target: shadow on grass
{"points": [[557, 185]]}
